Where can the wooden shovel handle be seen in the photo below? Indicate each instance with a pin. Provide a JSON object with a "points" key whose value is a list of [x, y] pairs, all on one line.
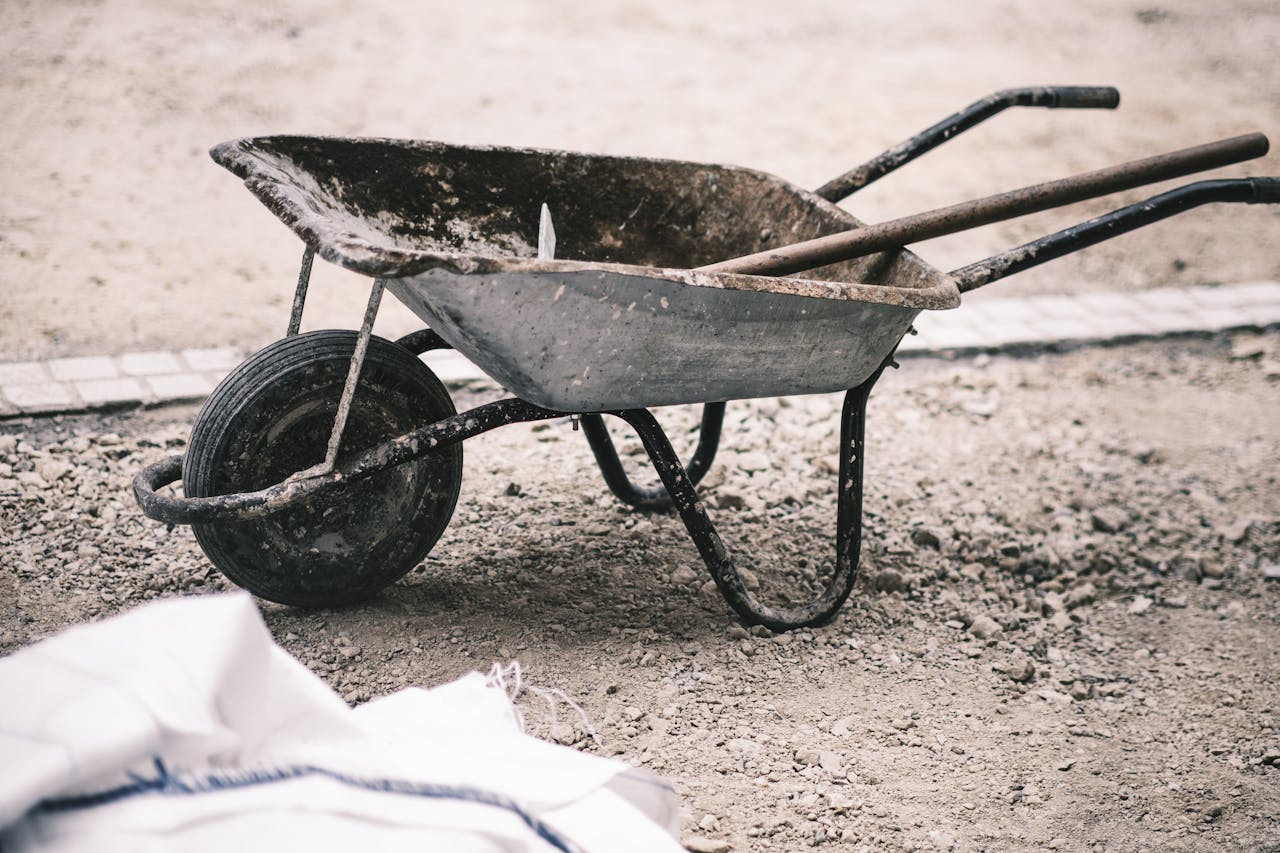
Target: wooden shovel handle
{"points": [[971, 214]]}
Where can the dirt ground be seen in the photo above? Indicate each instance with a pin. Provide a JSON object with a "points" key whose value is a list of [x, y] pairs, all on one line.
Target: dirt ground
{"points": [[117, 233], [1065, 635]]}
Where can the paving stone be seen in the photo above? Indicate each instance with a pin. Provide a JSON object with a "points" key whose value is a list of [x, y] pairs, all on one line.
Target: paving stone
{"points": [[1262, 315], [215, 359], [1106, 327], [75, 369], [1019, 333], [42, 397], [1057, 307], [1255, 291], [23, 373], [180, 386], [149, 363], [98, 392], [1110, 303], [1226, 296], [958, 336], [1167, 299], [1170, 322], [1226, 317]]}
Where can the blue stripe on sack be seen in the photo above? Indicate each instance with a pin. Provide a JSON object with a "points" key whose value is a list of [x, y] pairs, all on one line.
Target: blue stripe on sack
{"points": [[169, 784]]}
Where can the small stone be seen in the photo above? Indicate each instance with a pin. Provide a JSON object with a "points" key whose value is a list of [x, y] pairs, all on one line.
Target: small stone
{"points": [[1177, 602], [683, 575], [52, 469], [1020, 667], [702, 844], [1042, 564], [753, 461], [1238, 530], [1271, 756], [736, 631], [1187, 566], [1080, 691], [1271, 571], [985, 628], [1065, 765], [513, 490], [1053, 603], [1061, 621], [1084, 594], [928, 537], [840, 802], [1211, 567], [808, 757], [888, 580], [1247, 349], [982, 407], [1109, 519], [942, 840], [1140, 604], [831, 762], [632, 714], [709, 823], [31, 479]]}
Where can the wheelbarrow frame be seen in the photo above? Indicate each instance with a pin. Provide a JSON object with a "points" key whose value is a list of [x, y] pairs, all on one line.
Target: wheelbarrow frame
{"points": [[679, 480]]}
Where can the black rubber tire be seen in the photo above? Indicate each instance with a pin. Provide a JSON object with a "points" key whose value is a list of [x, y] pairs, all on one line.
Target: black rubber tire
{"points": [[270, 418]]}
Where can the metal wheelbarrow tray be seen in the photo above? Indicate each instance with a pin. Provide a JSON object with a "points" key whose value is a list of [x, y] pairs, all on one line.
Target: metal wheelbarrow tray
{"points": [[327, 466]]}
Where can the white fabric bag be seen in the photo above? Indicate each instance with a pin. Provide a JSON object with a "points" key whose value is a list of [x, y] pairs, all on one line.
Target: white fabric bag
{"points": [[182, 726]]}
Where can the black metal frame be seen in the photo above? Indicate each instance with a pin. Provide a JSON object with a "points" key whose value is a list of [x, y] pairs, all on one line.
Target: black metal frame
{"points": [[654, 499], [1113, 224], [1054, 97]]}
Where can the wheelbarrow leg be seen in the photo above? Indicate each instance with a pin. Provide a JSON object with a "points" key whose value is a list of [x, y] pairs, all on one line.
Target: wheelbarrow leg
{"points": [[353, 377], [300, 292], [723, 570], [647, 498]]}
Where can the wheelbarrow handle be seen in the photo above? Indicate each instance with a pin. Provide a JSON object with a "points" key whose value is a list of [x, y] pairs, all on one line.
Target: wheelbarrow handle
{"points": [[1053, 97], [1113, 224], [857, 242]]}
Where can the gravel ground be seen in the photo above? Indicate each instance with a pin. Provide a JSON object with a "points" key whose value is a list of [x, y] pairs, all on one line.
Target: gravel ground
{"points": [[1066, 633]]}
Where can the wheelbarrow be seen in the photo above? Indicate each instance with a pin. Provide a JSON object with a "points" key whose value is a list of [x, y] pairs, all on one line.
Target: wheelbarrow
{"points": [[328, 464]]}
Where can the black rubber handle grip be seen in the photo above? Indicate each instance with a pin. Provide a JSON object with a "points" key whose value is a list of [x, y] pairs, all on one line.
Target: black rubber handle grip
{"points": [[1085, 97], [1266, 190]]}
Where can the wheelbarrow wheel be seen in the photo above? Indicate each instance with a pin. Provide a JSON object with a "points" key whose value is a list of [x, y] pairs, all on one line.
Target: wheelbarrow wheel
{"points": [[272, 418]]}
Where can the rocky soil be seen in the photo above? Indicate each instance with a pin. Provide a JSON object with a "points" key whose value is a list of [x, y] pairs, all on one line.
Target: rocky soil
{"points": [[1067, 634]]}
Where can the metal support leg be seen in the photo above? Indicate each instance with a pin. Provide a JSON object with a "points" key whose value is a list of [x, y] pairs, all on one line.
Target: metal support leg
{"points": [[353, 375], [848, 519], [648, 498], [300, 293]]}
